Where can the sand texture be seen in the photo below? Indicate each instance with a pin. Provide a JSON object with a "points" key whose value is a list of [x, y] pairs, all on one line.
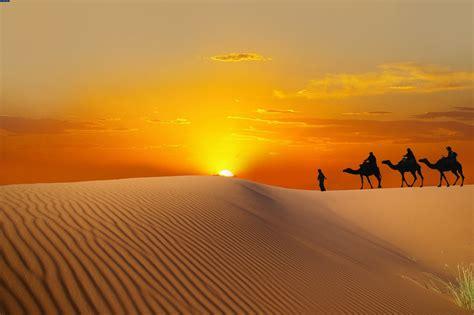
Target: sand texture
{"points": [[215, 245]]}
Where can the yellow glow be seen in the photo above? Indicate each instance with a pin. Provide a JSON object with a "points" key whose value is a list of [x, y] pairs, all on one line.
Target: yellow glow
{"points": [[226, 173], [213, 147]]}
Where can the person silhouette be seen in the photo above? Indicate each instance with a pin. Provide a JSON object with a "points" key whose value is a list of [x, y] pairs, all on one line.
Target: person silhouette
{"points": [[409, 157], [451, 154], [370, 161], [321, 179], [451, 158]]}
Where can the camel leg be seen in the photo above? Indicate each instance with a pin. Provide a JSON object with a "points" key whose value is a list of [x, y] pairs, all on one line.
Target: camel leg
{"points": [[413, 173], [422, 178], [404, 180], [379, 179], [457, 177], [444, 176], [462, 177], [361, 182], [370, 183], [440, 178], [459, 170]]}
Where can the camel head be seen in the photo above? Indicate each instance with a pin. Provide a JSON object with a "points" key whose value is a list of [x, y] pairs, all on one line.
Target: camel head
{"points": [[391, 165], [346, 170], [423, 160]]}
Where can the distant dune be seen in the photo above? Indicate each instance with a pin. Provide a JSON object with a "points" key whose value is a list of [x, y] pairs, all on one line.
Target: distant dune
{"points": [[220, 245]]}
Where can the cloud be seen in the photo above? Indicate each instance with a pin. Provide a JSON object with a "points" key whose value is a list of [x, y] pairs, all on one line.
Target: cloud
{"points": [[366, 113], [394, 131], [270, 121], [106, 119], [258, 131], [303, 130], [22, 125], [160, 146], [275, 111], [177, 121], [127, 147], [464, 108], [249, 137], [453, 114], [237, 57], [389, 78], [108, 130]]}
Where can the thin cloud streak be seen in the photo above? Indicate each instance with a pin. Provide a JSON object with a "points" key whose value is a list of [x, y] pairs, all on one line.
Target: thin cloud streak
{"points": [[465, 108], [455, 114], [404, 77], [275, 111], [238, 57], [375, 113], [177, 121], [364, 130], [22, 125], [272, 122]]}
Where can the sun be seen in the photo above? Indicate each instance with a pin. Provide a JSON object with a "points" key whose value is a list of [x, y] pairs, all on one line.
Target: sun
{"points": [[226, 173]]}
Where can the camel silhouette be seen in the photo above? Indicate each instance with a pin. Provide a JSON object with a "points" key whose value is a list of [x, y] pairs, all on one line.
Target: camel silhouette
{"points": [[366, 171], [403, 167], [446, 165]]}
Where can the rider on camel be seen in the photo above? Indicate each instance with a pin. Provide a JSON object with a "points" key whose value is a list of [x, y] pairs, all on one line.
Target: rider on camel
{"points": [[370, 161], [451, 154], [409, 157]]}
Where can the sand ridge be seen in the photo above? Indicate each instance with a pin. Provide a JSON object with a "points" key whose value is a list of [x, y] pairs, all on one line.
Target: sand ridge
{"points": [[207, 245]]}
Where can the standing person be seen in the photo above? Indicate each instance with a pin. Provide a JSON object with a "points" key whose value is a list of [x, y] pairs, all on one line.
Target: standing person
{"points": [[321, 179]]}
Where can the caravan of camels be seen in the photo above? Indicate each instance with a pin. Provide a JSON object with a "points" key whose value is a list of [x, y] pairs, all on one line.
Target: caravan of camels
{"points": [[409, 164]]}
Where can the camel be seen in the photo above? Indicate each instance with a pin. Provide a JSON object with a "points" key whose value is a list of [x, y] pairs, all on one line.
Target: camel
{"points": [[366, 171], [403, 167], [445, 165]]}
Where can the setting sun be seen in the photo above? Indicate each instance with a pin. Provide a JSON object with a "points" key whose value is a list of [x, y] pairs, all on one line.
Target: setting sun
{"points": [[226, 173]]}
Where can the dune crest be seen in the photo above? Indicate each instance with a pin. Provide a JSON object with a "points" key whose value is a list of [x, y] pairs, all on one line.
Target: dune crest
{"points": [[219, 245]]}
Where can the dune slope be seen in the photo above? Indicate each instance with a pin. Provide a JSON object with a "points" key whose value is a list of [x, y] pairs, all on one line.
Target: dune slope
{"points": [[218, 245]]}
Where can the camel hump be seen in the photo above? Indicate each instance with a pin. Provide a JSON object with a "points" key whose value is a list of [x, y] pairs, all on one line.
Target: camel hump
{"points": [[448, 160], [409, 163], [369, 169]]}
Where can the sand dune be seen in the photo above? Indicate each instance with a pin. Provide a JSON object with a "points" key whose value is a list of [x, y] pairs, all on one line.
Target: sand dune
{"points": [[218, 245]]}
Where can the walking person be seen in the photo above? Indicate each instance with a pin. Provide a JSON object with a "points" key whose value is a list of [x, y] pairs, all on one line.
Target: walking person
{"points": [[321, 179]]}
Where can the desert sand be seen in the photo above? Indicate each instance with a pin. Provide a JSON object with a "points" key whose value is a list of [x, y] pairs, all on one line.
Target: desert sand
{"points": [[219, 245]]}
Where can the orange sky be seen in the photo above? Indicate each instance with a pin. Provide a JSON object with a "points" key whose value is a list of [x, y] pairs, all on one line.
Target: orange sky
{"points": [[269, 91]]}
